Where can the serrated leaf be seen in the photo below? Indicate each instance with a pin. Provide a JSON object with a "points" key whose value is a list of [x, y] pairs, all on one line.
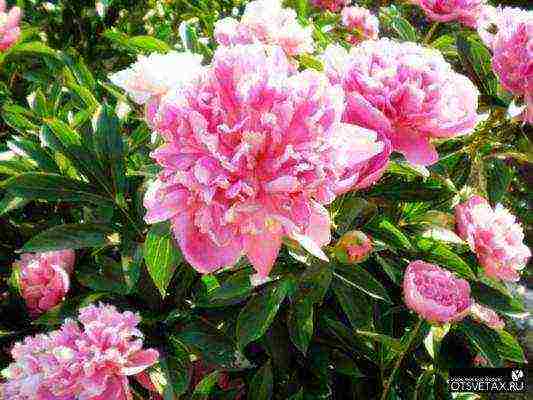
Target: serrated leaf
{"points": [[161, 255], [255, 318], [70, 236]]}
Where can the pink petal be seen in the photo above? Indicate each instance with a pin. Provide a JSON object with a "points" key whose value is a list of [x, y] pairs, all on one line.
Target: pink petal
{"points": [[139, 361], [262, 251]]}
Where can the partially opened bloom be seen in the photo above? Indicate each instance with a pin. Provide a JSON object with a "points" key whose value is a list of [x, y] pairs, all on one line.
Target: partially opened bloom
{"points": [[406, 92], [331, 5], [353, 247], [89, 360], [465, 11], [486, 316], [252, 153], [435, 293], [44, 278], [508, 32], [362, 21], [495, 236], [266, 21], [9, 25]]}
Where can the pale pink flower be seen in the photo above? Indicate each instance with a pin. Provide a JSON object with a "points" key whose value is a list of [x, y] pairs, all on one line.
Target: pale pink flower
{"points": [[508, 32], [362, 21], [9, 26], [266, 21], [44, 278], [353, 247], [90, 360], [331, 5], [251, 155], [435, 293], [486, 316], [464, 11], [495, 236], [405, 92]]}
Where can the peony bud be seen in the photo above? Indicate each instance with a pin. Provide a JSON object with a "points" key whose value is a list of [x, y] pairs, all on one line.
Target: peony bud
{"points": [[435, 293], [353, 247]]}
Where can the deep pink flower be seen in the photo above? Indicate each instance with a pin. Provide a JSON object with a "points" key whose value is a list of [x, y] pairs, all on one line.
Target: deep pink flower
{"points": [[362, 21], [508, 32], [486, 316], [495, 236], [435, 293], [252, 153], [464, 11], [90, 361], [44, 278], [9, 26], [331, 5], [404, 91], [266, 21], [353, 247]]}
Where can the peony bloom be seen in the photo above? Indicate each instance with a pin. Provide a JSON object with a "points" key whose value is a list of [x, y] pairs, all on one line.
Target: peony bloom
{"points": [[435, 293], [353, 247], [331, 5], [406, 92], [266, 21], [90, 360], [362, 21], [508, 32], [44, 278], [486, 316], [495, 237], [9, 26], [252, 153], [464, 11]]}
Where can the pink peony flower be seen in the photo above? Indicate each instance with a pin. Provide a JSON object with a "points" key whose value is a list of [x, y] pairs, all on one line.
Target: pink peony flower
{"points": [[331, 5], [360, 20], [44, 278], [404, 91], [486, 316], [435, 293], [90, 361], [353, 247], [508, 32], [266, 21], [252, 153], [495, 237], [464, 11], [9, 26]]}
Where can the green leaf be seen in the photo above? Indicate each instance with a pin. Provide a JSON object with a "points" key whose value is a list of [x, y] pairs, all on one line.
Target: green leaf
{"points": [[35, 48], [349, 212], [161, 256], [509, 348], [233, 290], [393, 19], [148, 44], [385, 230], [359, 278], [170, 376], [477, 60], [34, 152], [262, 383], [53, 187], [11, 202], [312, 288], [204, 388], [442, 255], [70, 236], [255, 318], [495, 299], [356, 307], [485, 340], [498, 179]]}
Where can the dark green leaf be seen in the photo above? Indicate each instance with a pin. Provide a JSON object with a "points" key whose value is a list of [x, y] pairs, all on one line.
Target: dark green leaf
{"points": [[357, 308], [262, 384], [495, 299], [485, 340], [509, 348], [357, 277]]}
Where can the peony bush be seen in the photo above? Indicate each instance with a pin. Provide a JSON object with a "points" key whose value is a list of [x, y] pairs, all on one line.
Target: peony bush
{"points": [[263, 199]]}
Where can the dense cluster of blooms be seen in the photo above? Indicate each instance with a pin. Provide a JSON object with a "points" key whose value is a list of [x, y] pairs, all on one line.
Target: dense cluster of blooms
{"points": [[495, 236], [353, 247], [45, 278], [406, 92], [508, 32], [486, 316], [331, 5], [360, 20], [435, 293], [9, 25], [253, 150], [464, 11], [91, 361], [266, 21]]}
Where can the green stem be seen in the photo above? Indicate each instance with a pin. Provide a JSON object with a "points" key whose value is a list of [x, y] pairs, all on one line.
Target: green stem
{"points": [[387, 384], [430, 33]]}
